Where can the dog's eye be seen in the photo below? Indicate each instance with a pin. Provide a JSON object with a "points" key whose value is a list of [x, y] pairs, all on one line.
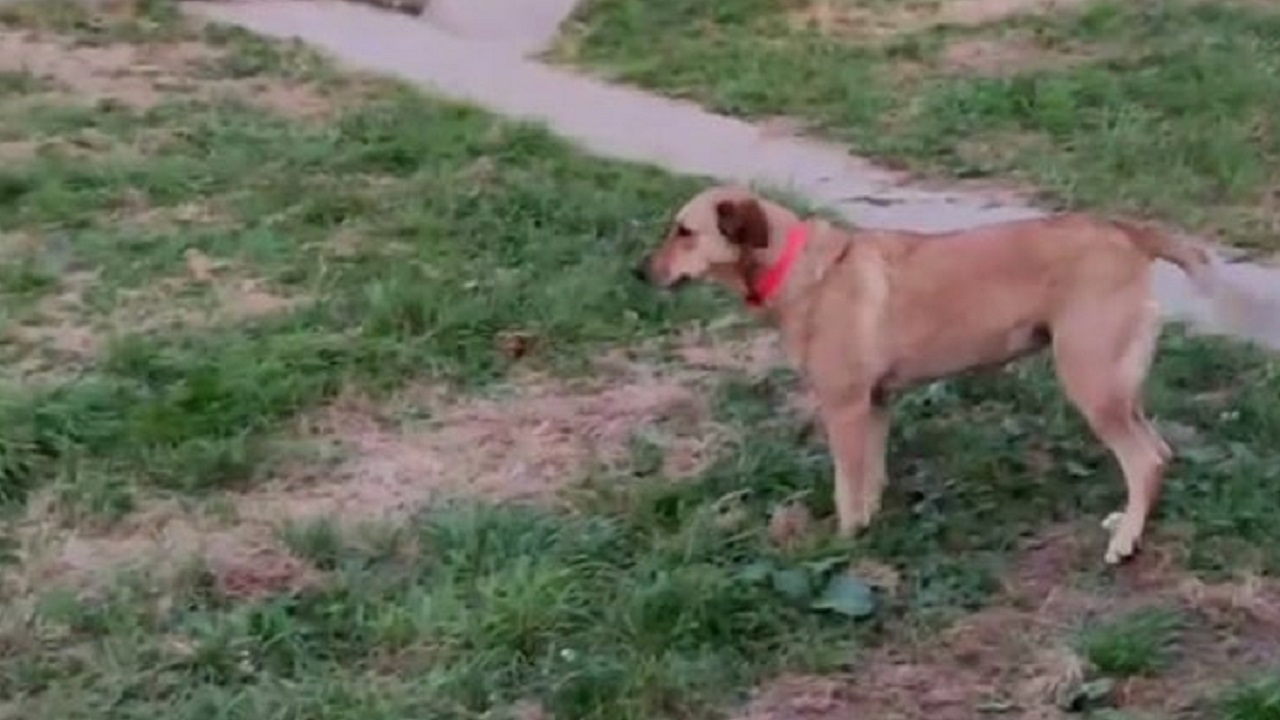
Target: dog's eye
{"points": [[683, 232]]}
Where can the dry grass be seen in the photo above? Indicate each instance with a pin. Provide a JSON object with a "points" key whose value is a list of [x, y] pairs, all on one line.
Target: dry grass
{"points": [[643, 584], [141, 76], [998, 54], [1004, 56], [162, 541], [538, 438], [17, 151], [357, 461], [877, 19], [61, 333], [987, 12], [1018, 657]]}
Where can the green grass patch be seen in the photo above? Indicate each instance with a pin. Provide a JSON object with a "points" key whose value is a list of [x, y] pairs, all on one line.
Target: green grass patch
{"points": [[464, 611], [18, 83], [1139, 643], [1256, 700], [646, 598], [412, 232], [1164, 109]]}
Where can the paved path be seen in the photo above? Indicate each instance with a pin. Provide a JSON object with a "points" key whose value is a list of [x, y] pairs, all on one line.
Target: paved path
{"points": [[470, 50], [509, 27]]}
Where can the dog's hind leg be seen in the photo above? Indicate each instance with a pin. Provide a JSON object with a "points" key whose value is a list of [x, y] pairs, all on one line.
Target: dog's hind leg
{"points": [[1102, 357]]}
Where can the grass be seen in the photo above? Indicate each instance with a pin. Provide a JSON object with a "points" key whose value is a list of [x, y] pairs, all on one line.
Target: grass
{"points": [[471, 234], [236, 266], [1256, 700], [1164, 110], [1137, 644], [594, 617]]}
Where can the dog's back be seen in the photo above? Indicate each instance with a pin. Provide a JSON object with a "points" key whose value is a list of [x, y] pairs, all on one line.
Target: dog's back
{"points": [[988, 295]]}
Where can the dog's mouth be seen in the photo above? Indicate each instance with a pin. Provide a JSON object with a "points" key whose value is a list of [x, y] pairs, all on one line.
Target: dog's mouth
{"points": [[678, 284], [644, 274]]}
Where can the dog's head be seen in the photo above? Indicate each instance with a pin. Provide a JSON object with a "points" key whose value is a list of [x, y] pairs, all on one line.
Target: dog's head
{"points": [[716, 236]]}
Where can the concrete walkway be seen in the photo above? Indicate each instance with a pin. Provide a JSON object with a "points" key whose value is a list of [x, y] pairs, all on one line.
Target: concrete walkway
{"points": [[469, 50]]}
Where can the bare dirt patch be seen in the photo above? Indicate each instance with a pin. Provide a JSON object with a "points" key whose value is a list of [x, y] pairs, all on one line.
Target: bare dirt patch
{"points": [[19, 245], [864, 19], [526, 445], [65, 340], [301, 102], [16, 151], [1001, 149], [1018, 658], [123, 73], [205, 213], [235, 295], [987, 12], [988, 57], [163, 540], [754, 354], [177, 303], [63, 332], [141, 76], [359, 461], [53, 339]]}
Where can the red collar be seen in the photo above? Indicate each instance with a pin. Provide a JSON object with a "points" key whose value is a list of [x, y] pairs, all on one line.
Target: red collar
{"points": [[771, 279]]}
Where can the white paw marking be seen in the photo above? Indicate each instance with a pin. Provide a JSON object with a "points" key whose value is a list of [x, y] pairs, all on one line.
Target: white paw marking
{"points": [[1111, 522], [1118, 552], [1124, 542]]}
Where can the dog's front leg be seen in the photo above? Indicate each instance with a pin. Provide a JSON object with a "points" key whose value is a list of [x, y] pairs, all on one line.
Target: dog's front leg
{"points": [[856, 432], [874, 460]]}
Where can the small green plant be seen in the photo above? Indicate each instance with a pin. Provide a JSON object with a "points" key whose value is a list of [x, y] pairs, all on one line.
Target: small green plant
{"points": [[318, 540], [1138, 643], [18, 83], [1257, 700]]}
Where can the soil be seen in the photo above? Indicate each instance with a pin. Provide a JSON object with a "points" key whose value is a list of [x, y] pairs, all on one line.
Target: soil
{"points": [[1016, 657]]}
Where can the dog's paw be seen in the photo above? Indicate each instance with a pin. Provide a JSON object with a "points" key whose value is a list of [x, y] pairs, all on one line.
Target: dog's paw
{"points": [[1124, 539], [1111, 522], [852, 527], [848, 530], [1120, 552]]}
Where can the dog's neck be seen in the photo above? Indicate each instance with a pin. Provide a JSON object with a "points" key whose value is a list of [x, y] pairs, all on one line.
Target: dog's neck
{"points": [[766, 280], [781, 222], [800, 273], [755, 263]]}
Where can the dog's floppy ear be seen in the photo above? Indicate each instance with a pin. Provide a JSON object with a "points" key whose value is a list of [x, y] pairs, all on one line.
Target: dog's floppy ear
{"points": [[743, 222]]}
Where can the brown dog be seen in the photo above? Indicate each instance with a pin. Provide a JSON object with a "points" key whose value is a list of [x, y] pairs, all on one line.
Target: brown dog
{"points": [[865, 313]]}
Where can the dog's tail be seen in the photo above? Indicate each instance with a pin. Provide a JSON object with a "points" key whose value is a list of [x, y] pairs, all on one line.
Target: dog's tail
{"points": [[1194, 260], [1235, 308]]}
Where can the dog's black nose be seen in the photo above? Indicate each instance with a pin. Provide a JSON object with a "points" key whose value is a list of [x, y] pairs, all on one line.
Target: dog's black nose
{"points": [[639, 272]]}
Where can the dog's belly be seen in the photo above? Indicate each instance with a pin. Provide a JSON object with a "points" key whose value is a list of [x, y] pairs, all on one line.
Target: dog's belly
{"points": [[944, 354]]}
